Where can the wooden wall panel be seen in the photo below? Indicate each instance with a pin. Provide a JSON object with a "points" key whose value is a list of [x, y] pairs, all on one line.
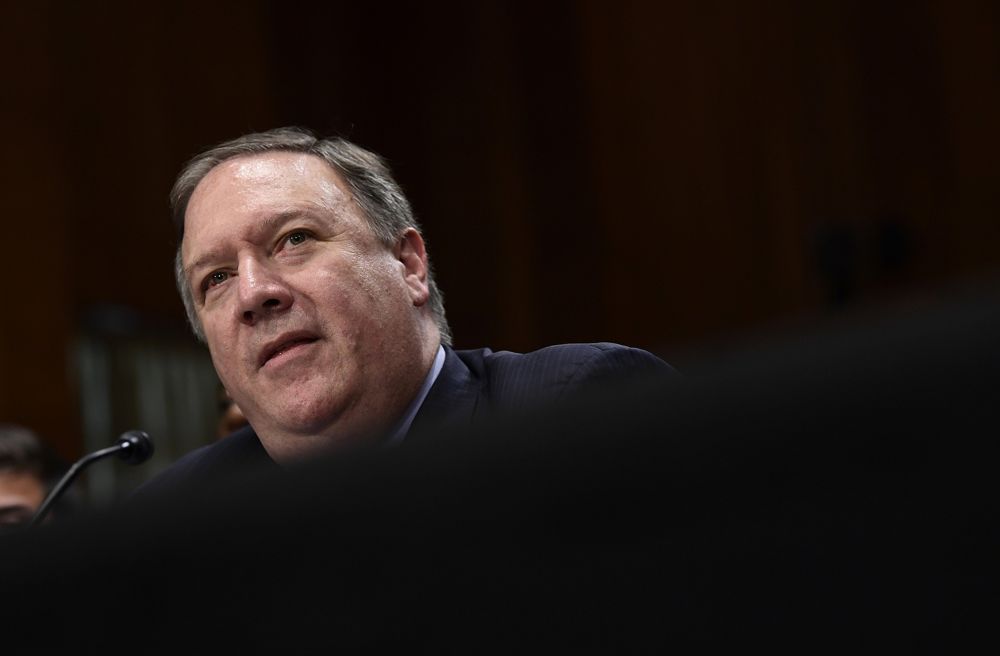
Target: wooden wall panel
{"points": [[784, 159], [36, 263], [103, 104]]}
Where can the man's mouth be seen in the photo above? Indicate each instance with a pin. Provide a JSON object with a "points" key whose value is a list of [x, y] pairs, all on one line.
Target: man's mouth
{"points": [[284, 344]]}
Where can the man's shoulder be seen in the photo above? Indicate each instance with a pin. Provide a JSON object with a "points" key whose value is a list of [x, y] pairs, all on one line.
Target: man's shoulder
{"points": [[555, 370], [224, 457], [561, 359]]}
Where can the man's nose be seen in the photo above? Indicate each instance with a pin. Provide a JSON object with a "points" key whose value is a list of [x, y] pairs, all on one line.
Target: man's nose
{"points": [[262, 291]]}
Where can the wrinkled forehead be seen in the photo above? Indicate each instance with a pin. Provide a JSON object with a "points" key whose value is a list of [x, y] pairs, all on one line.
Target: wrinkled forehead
{"points": [[256, 183], [242, 195]]}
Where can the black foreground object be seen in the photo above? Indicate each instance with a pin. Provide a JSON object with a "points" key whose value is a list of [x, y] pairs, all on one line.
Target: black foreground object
{"points": [[836, 491]]}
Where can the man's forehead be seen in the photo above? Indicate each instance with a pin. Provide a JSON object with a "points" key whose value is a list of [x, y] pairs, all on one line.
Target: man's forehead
{"points": [[249, 192], [264, 175]]}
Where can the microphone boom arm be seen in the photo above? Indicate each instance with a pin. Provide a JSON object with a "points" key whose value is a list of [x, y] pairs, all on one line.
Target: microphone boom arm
{"points": [[134, 447]]}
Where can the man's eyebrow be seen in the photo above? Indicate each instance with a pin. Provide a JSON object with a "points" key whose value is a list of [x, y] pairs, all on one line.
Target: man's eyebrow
{"points": [[266, 225], [202, 261]]}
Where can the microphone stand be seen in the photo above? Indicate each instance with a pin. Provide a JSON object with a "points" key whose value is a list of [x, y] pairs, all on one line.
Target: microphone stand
{"points": [[134, 448]]}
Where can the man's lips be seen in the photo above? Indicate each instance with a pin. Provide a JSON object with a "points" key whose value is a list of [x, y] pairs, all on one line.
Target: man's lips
{"points": [[284, 343]]}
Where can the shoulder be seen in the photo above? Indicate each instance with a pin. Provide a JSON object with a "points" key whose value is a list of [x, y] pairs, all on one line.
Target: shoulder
{"points": [[239, 451], [556, 370], [565, 360]]}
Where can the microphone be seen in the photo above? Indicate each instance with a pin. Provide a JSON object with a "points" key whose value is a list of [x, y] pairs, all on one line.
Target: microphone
{"points": [[134, 447]]}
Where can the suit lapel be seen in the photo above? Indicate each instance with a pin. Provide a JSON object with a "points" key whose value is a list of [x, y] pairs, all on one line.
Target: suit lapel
{"points": [[451, 402]]}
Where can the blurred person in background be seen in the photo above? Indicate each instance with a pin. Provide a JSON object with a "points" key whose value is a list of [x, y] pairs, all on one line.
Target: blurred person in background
{"points": [[231, 418], [28, 471]]}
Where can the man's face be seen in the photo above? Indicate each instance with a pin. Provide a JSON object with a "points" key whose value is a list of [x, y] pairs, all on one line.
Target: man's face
{"points": [[317, 330], [21, 494]]}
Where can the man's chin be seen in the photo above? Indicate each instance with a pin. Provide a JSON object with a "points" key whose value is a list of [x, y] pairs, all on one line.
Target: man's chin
{"points": [[300, 414], [292, 450], [314, 434]]}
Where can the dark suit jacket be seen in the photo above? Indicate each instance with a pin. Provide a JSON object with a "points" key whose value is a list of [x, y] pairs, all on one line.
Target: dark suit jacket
{"points": [[473, 386]]}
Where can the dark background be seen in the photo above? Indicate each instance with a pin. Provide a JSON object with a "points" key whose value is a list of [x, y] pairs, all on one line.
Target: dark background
{"points": [[676, 176]]}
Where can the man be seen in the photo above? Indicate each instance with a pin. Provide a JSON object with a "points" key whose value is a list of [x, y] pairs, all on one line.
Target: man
{"points": [[27, 470], [302, 268]]}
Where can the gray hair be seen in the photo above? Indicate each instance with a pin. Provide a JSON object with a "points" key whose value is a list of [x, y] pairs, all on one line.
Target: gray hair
{"points": [[379, 196]]}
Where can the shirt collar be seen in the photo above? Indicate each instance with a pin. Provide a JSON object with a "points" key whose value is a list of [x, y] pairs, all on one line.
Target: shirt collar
{"points": [[403, 426]]}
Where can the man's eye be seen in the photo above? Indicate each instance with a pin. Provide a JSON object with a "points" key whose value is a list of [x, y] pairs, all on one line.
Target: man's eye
{"points": [[297, 238], [217, 278]]}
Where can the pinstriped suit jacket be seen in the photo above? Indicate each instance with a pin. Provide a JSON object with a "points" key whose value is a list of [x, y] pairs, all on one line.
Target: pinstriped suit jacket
{"points": [[476, 385], [473, 386]]}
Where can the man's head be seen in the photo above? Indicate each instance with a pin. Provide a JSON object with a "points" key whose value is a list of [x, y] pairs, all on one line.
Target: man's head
{"points": [[302, 268], [26, 470]]}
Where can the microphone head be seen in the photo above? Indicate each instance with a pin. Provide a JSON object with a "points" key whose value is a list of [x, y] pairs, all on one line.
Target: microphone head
{"points": [[136, 447]]}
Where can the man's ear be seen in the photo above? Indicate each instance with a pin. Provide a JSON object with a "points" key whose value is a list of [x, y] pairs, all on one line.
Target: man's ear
{"points": [[410, 251]]}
